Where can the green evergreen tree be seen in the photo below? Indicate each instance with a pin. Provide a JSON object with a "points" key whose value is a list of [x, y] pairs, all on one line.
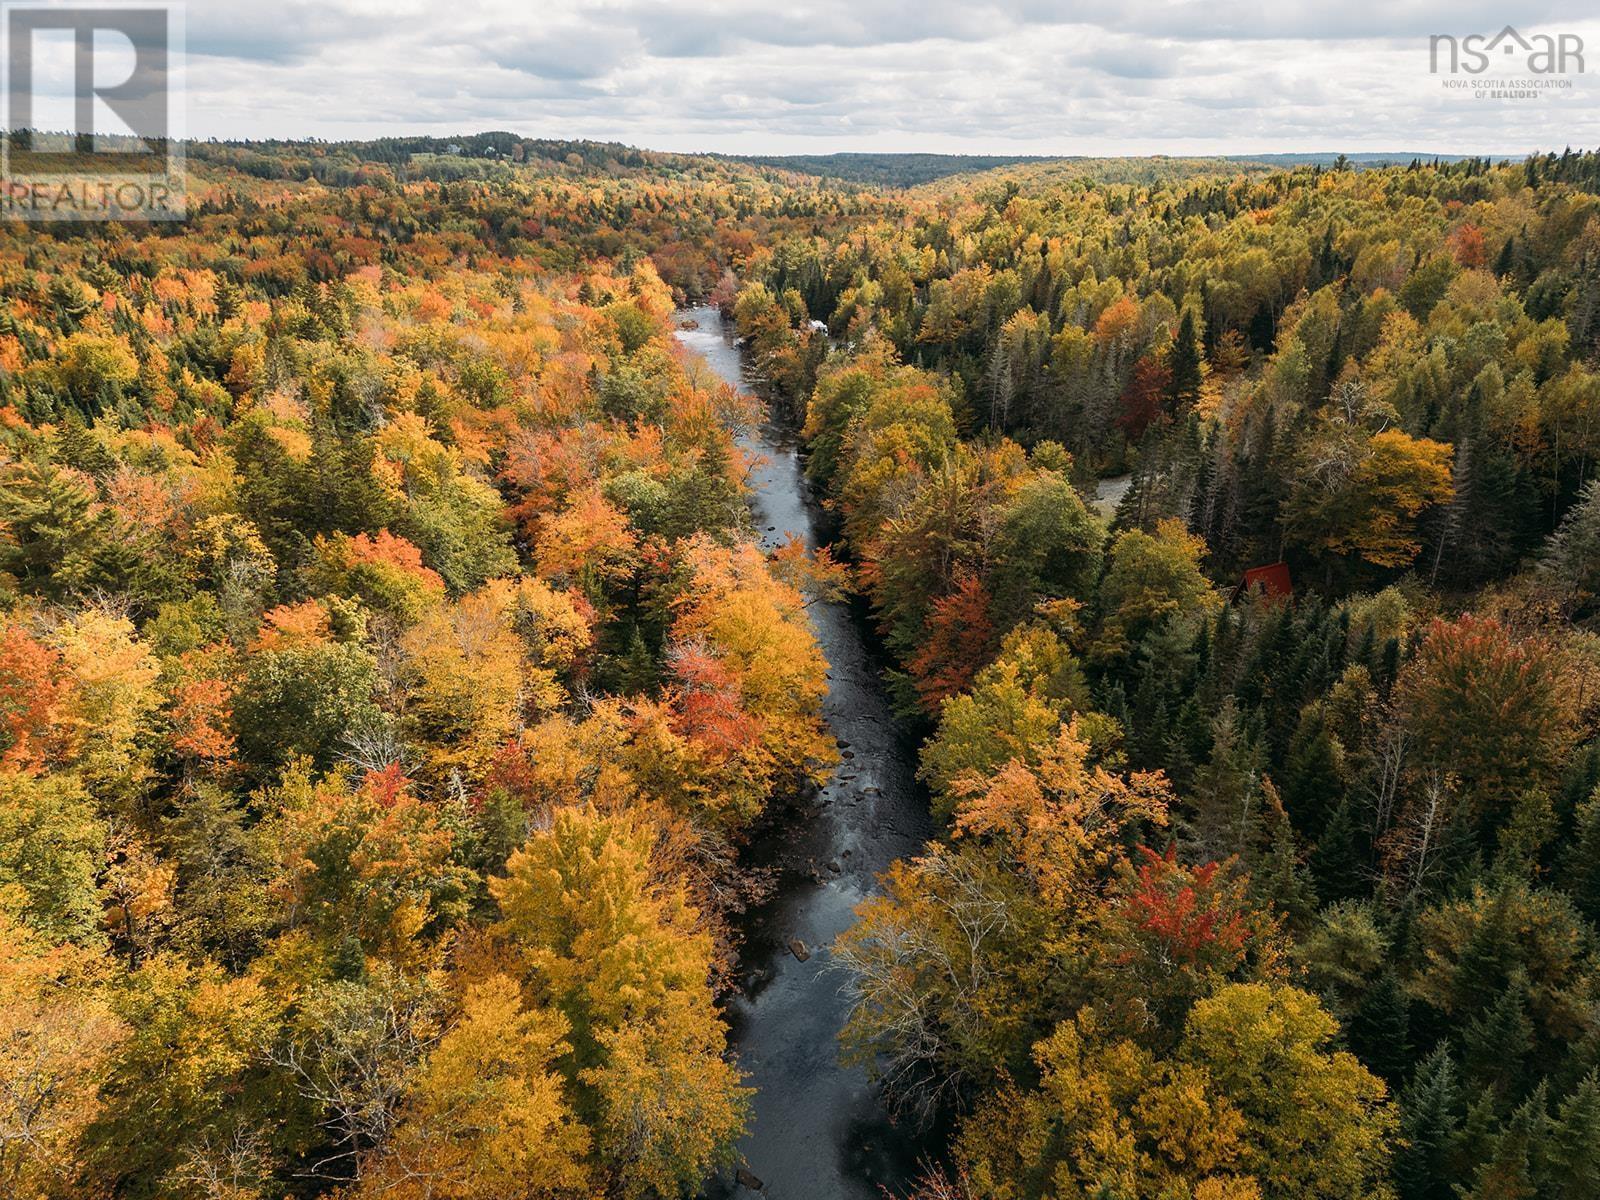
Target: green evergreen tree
{"points": [[1313, 778], [1380, 1028], [1428, 1149], [1184, 364], [1569, 1165], [1340, 863], [1496, 1044], [1279, 877], [1225, 815], [1508, 1172]]}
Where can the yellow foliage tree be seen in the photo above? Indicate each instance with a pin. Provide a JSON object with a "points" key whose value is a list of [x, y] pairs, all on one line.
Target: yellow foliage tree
{"points": [[1254, 1102], [620, 954], [464, 668], [1359, 495], [56, 1034], [487, 1118], [114, 702], [750, 675]]}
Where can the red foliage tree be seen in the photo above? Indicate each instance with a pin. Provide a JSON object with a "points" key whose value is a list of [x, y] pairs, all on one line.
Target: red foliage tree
{"points": [[1467, 245], [1190, 914], [202, 713], [32, 691], [958, 637], [1141, 399], [706, 702]]}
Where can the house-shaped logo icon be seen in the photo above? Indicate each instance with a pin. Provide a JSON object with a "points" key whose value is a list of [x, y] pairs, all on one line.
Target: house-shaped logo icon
{"points": [[1508, 41]]}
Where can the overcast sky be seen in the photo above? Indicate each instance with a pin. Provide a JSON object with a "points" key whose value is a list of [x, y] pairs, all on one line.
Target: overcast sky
{"points": [[790, 76]]}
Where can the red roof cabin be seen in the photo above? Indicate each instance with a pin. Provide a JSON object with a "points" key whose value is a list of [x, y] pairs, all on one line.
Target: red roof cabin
{"points": [[1273, 580]]}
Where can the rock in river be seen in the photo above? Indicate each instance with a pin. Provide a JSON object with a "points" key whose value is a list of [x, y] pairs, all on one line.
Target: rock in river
{"points": [[798, 949]]}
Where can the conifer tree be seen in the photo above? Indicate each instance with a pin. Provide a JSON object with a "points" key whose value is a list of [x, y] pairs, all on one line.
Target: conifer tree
{"points": [[1431, 1114]]}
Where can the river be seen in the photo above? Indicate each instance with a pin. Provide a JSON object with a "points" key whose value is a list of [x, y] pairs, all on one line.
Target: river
{"points": [[818, 1131]]}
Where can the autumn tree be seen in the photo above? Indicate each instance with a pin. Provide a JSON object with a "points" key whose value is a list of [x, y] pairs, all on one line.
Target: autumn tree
{"points": [[1253, 1102], [1013, 710], [749, 678], [187, 1083], [615, 951], [1516, 696], [366, 863], [34, 701], [487, 1114], [1172, 934], [959, 633], [1150, 577], [57, 1034], [52, 844], [951, 972], [1360, 496]]}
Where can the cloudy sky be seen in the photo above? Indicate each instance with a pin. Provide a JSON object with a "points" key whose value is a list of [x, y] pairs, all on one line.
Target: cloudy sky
{"points": [[811, 76]]}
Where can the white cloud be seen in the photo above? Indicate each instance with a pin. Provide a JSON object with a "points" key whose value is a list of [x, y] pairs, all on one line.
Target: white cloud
{"points": [[1010, 76]]}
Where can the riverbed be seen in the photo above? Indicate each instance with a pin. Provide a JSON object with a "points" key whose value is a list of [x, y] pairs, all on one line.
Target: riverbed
{"points": [[818, 1131]]}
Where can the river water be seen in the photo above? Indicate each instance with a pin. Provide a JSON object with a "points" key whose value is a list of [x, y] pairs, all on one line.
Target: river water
{"points": [[818, 1132]]}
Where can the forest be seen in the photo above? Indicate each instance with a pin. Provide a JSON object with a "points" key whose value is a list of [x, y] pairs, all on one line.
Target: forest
{"points": [[392, 683]]}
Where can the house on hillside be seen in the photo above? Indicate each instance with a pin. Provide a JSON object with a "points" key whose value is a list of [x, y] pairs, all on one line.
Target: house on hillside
{"points": [[1273, 580]]}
